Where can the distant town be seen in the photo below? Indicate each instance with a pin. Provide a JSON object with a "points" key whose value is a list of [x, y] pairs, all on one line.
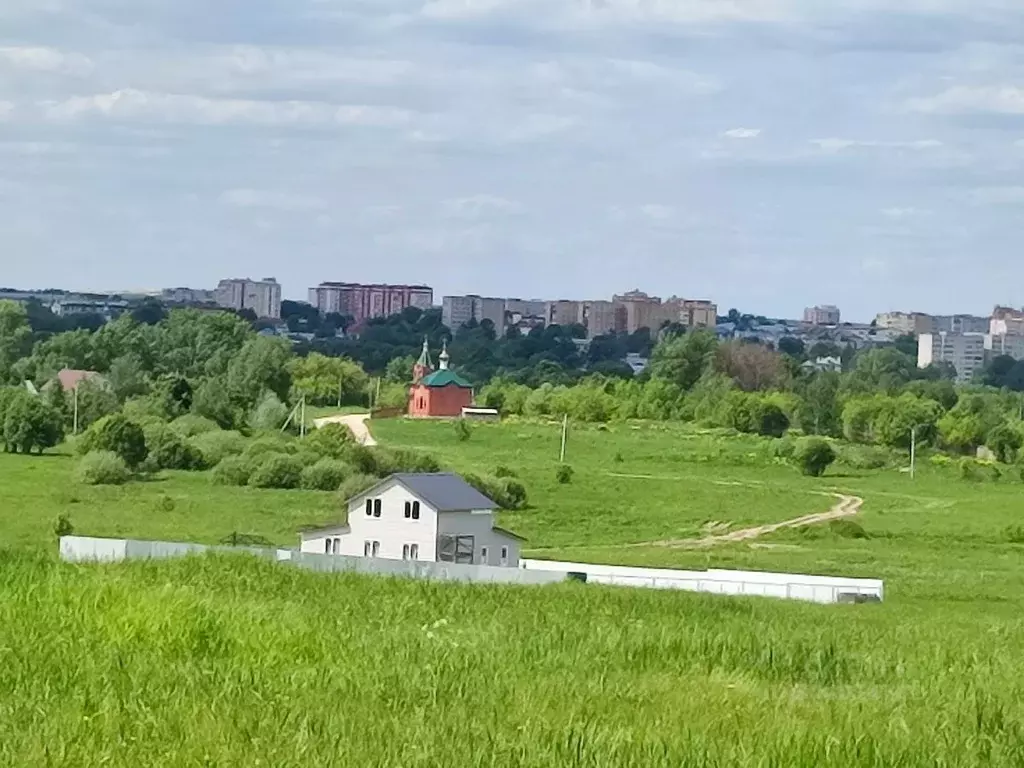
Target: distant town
{"points": [[964, 342]]}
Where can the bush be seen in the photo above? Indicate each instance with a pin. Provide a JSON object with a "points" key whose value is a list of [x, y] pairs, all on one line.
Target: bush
{"points": [[102, 468], [382, 462], [191, 425], [217, 446], [330, 441], [277, 472], [1015, 534], [814, 455], [233, 470], [863, 457], [271, 413], [462, 430], [325, 475], [270, 444], [502, 471], [784, 448], [848, 529], [167, 450], [968, 469], [356, 484], [63, 526], [564, 474], [119, 435], [506, 492]]}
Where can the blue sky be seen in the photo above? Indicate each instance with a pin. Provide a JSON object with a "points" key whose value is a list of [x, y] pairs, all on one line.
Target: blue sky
{"points": [[767, 154]]}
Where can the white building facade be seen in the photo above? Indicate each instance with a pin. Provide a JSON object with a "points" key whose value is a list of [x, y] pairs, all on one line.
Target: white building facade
{"points": [[966, 352], [822, 315], [261, 296], [430, 517]]}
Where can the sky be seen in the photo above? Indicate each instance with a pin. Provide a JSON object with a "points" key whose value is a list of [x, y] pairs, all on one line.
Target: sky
{"points": [[765, 154]]}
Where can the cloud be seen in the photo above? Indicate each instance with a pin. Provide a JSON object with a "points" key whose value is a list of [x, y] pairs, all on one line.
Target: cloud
{"points": [[998, 195], [962, 99], [834, 145], [904, 213], [131, 104], [32, 59], [742, 133], [261, 198], [479, 206]]}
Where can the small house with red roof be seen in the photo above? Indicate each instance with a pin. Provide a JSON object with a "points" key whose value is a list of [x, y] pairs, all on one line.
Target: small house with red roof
{"points": [[438, 394]]}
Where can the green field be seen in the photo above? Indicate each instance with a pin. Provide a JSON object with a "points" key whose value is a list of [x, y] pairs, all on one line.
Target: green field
{"points": [[224, 661]]}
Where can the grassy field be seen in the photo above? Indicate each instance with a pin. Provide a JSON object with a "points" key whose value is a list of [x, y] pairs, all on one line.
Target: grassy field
{"points": [[224, 661]]}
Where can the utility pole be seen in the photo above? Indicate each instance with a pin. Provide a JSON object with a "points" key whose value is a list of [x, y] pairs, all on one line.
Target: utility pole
{"points": [[341, 382], [76, 411], [913, 451], [565, 430], [302, 405]]}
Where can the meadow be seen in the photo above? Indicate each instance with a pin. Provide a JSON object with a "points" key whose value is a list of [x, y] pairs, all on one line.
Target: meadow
{"points": [[227, 661]]}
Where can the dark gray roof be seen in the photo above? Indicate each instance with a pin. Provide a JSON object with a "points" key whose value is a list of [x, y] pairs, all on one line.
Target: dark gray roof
{"points": [[445, 492]]}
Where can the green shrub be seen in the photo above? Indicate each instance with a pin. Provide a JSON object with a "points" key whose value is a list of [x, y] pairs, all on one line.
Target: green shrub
{"points": [[217, 446], [382, 462], [330, 441], [848, 529], [783, 448], [117, 434], [502, 471], [814, 455], [462, 430], [1015, 534], [168, 450], [191, 425], [564, 474], [277, 471], [968, 469], [269, 444], [356, 484], [102, 468], [233, 470], [63, 527], [270, 413], [506, 492], [863, 457], [325, 475], [940, 460]]}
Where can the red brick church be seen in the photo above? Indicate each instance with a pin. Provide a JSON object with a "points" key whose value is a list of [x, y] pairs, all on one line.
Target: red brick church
{"points": [[437, 394]]}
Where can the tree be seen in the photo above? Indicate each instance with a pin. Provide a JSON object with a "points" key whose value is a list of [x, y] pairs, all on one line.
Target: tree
{"points": [[31, 424], [753, 367], [1005, 442], [885, 369], [127, 378], [95, 400], [684, 359], [967, 426], [814, 455], [819, 411], [261, 365], [15, 336], [793, 347], [399, 370], [119, 435], [149, 312], [213, 402], [324, 380]]}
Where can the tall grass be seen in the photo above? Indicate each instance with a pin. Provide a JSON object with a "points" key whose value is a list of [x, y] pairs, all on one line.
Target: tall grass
{"points": [[231, 661]]}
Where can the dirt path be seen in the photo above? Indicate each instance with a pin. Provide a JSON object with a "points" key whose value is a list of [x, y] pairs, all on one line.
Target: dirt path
{"points": [[356, 422], [848, 506]]}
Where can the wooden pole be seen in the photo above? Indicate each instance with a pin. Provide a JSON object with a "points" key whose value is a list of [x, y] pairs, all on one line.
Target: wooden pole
{"points": [[75, 429], [565, 430], [913, 451], [302, 405]]}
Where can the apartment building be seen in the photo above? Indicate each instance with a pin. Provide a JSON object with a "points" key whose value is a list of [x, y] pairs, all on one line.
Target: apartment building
{"points": [[966, 352], [456, 311], [696, 313], [1006, 321], [188, 296], [643, 311], [916, 323], [603, 317], [825, 314], [366, 301], [261, 296], [563, 312], [1003, 344]]}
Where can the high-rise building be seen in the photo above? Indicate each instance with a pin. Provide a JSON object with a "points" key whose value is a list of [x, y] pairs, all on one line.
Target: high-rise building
{"points": [[964, 351], [563, 312], [603, 317], [456, 311], [365, 301], [643, 311], [822, 315], [697, 313], [1010, 346], [1006, 321], [261, 296], [915, 323]]}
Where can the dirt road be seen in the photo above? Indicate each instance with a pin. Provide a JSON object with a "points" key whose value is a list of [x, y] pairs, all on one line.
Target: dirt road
{"points": [[356, 422]]}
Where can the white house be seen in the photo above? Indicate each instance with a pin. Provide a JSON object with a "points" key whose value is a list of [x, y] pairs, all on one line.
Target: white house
{"points": [[434, 517]]}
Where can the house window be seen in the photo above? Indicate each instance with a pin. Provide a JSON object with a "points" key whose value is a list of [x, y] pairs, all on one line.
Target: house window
{"points": [[504, 555], [405, 551], [369, 507], [483, 555], [327, 546], [336, 547], [415, 510], [376, 549], [414, 551], [408, 510], [366, 548], [376, 507]]}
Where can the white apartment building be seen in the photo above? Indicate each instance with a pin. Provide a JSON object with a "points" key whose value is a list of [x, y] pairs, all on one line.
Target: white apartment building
{"points": [[1009, 345], [966, 352], [261, 296], [826, 314]]}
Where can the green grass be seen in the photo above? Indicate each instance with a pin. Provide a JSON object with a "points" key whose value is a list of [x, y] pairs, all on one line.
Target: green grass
{"points": [[225, 661]]}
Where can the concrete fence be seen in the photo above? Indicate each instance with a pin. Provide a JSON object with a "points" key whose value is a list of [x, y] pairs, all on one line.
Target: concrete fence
{"points": [[818, 589]]}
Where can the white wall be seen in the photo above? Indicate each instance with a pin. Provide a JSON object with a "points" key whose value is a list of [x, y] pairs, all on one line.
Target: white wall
{"points": [[481, 526], [391, 529]]}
